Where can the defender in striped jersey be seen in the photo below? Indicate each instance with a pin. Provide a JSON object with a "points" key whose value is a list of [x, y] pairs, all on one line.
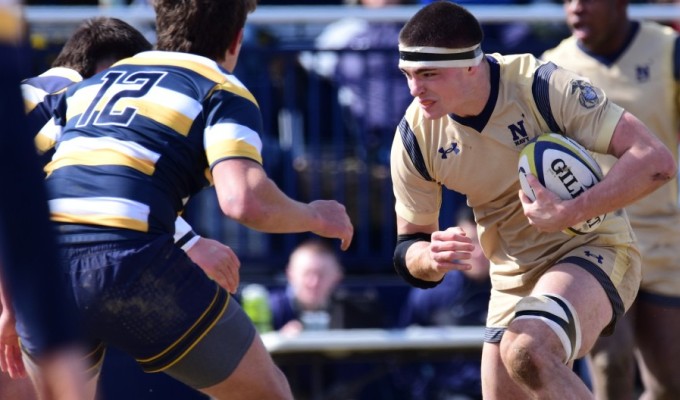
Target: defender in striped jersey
{"points": [[138, 140], [94, 46], [635, 61], [552, 294]]}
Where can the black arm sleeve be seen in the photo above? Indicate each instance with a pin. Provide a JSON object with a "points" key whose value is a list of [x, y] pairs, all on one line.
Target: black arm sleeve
{"points": [[403, 243]]}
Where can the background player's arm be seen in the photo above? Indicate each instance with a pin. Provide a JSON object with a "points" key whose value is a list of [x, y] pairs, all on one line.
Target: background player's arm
{"points": [[247, 195]]}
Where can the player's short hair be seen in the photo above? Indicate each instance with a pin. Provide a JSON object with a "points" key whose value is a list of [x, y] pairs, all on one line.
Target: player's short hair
{"points": [[201, 27], [97, 40], [442, 24]]}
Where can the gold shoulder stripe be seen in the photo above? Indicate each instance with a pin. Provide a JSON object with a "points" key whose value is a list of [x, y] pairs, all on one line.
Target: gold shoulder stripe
{"points": [[239, 91], [202, 69]]}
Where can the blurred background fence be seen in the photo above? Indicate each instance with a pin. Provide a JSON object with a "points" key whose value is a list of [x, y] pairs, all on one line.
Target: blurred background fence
{"points": [[320, 107]]}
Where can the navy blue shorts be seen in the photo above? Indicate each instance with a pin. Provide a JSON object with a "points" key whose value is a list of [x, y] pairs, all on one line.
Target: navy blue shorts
{"points": [[150, 300]]}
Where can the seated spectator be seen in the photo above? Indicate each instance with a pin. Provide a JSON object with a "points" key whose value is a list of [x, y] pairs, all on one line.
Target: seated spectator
{"points": [[461, 299], [312, 298]]}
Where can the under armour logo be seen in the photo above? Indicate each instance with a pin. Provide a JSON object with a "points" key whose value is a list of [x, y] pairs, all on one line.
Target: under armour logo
{"points": [[454, 148], [642, 73], [598, 257]]}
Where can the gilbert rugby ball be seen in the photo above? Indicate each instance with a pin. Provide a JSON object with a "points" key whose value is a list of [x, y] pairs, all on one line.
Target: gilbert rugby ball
{"points": [[564, 167]]}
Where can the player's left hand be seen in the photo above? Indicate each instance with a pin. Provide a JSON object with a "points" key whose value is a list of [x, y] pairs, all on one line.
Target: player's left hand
{"points": [[218, 261], [548, 212]]}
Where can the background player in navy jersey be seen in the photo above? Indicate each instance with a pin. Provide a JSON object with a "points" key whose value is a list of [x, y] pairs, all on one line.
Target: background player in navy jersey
{"points": [[634, 61], [40, 302], [138, 140], [552, 294]]}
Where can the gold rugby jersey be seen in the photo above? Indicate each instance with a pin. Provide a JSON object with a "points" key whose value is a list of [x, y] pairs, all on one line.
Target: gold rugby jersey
{"points": [[140, 138], [478, 157], [644, 78], [641, 80]]}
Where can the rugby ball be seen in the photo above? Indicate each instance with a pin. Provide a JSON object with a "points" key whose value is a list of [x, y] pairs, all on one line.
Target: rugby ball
{"points": [[564, 167]]}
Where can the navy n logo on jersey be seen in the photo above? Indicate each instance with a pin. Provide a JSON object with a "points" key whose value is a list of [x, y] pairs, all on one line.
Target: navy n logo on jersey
{"points": [[453, 149], [519, 133]]}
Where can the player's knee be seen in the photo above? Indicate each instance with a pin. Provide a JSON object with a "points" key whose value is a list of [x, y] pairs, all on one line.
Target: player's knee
{"points": [[522, 360]]}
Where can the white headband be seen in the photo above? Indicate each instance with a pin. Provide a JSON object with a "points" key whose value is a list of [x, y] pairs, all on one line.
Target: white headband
{"points": [[439, 57]]}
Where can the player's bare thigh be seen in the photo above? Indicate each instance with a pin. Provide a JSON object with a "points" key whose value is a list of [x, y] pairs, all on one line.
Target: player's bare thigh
{"points": [[585, 294]]}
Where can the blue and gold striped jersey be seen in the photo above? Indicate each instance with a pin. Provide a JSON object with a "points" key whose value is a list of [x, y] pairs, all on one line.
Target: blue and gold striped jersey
{"points": [[140, 138], [41, 95]]}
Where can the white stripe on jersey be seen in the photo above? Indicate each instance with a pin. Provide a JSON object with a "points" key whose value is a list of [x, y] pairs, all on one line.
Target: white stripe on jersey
{"points": [[32, 96], [230, 132], [181, 103], [226, 140], [114, 207], [85, 144], [78, 103], [63, 72]]}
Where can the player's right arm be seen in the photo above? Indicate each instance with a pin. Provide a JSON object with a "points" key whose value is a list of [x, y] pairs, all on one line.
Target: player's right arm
{"points": [[247, 195]]}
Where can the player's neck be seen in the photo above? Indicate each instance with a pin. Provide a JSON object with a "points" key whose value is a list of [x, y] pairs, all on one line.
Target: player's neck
{"points": [[482, 90], [616, 41]]}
